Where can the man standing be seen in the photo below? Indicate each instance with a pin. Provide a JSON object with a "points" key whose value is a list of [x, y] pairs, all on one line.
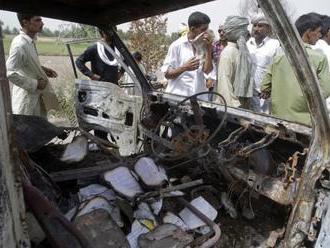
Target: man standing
{"points": [[235, 80], [29, 78], [280, 82], [323, 44], [189, 57], [262, 49], [104, 67], [219, 45]]}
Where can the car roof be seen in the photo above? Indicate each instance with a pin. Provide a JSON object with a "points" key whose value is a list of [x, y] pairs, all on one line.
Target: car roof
{"points": [[97, 12]]}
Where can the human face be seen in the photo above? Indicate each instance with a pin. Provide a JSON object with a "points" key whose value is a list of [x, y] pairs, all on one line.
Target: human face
{"points": [[222, 34], [198, 30], [107, 38], [313, 36], [34, 25], [327, 37], [260, 31]]}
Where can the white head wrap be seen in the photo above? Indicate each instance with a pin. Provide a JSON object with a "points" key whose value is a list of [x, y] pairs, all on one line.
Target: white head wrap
{"points": [[259, 18], [235, 29]]}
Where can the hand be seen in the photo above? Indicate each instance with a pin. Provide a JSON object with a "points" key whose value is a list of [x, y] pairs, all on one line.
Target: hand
{"points": [[210, 83], [95, 77], [49, 72], [207, 38], [264, 95], [191, 65], [42, 83]]}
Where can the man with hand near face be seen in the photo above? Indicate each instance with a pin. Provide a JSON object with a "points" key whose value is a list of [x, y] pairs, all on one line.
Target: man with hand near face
{"points": [[29, 78], [189, 58]]}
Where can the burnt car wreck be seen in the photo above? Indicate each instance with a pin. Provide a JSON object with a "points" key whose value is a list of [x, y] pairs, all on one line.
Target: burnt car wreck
{"points": [[180, 172]]}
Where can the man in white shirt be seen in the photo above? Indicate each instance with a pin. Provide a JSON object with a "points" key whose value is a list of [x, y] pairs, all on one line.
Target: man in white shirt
{"points": [[29, 78], [323, 44], [189, 58], [262, 49]]}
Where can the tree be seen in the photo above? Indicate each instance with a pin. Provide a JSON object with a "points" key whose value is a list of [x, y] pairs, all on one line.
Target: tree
{"points": [[6, 30], [47, 32], [148, 36], [249, 8], [77, 31], [15, 31]]}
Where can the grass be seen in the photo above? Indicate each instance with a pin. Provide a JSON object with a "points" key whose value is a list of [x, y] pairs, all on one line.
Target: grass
{"points": [[50, 47]]}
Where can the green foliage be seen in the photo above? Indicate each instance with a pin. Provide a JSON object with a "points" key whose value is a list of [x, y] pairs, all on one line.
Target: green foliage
{"points": [[47, 32], [66, 99], [148, 36], [50, 47], [79, 31], [6, 30], [15, 31]]}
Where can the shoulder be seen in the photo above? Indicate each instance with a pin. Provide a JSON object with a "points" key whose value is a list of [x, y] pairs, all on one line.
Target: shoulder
{"points": [[91, 50], [230, 49], [19, 41], [179, 42], [272, 45], [273, 42], [92, 47], [229, 55], [316, 54]]}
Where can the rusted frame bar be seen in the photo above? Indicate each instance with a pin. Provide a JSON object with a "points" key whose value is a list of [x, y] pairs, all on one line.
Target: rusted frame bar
{"points": [[318, 156], [13, 228]]}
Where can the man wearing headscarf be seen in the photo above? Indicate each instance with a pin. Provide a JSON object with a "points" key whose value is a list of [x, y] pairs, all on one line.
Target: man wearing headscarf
{"points": [[235, 82], [262, 49]]}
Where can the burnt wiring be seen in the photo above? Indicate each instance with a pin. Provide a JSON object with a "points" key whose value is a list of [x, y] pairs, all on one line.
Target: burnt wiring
{"points": [[196, 136]]}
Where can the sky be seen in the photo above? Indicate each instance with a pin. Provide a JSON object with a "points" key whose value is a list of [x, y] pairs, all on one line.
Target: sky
{"points": [[217, 11]]}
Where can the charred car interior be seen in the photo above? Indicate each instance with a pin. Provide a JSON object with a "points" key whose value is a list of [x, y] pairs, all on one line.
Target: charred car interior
{"points": [[178, 172]]}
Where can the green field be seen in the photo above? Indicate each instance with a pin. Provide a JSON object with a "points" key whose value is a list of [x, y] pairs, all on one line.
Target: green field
{"points": [[50, 47]]}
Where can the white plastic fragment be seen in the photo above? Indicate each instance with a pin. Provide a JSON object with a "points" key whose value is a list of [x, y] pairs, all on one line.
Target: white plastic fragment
{"points": [[157, 206], [92, 147], [136, 230], [191, 220], [151, 174], [93, 190], [75, 151], [175, 193], [144, 212], [101, 203], [96, 196], [175, 220], [122, 181], [203, 230]]}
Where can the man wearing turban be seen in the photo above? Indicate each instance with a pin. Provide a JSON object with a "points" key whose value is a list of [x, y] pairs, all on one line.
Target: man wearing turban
{"points": [[263, 50], [235, 81]]}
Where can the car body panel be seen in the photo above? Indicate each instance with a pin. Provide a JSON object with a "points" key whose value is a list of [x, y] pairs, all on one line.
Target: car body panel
{"points": [[109, 108], [106, 106]]}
